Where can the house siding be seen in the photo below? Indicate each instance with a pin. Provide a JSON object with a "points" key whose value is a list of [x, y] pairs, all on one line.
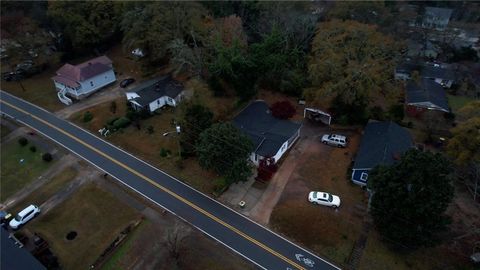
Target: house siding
{"points": [[357, 174], [97, 82], [157, 104]]}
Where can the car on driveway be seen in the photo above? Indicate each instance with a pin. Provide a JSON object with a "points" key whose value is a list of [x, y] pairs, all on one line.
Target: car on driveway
{"points": [[126, 82], [24, 216], [324, 198], [334, 140]]}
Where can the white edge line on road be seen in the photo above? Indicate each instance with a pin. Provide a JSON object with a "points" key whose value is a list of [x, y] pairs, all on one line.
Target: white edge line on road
{"points": [[145, 196], [179, 181]]}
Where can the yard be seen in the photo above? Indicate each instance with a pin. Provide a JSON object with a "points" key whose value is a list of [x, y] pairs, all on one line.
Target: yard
{"points": [[195, 250], [457, 102], [95, 215], [327, 232], [149, 146], [47, 190], [38, 89], [19, 167]]}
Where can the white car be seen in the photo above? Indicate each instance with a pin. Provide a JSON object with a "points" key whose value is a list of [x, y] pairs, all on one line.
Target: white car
{"points": [[324, 198], [24, 216], [335, 140]]}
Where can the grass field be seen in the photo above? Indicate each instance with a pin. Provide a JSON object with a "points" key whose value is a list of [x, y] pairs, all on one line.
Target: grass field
{"points": [[38, 89], [97, 217], [148, 146], [457, 102], [15, 174], [43, 193]]}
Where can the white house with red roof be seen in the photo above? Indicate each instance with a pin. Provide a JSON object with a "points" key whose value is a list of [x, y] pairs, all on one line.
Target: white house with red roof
{"points": [[79, 81]]}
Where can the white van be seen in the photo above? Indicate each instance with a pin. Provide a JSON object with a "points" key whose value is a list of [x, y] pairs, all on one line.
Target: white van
{"points": [[335, 140], [24, 216]]}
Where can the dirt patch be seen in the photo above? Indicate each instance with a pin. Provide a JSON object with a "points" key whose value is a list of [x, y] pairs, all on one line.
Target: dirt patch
{"points": [[326, 231]]}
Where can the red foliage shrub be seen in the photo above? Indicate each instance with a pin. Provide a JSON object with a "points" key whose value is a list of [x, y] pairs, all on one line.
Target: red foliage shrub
{"points": [[283, 109], [266, 169]]}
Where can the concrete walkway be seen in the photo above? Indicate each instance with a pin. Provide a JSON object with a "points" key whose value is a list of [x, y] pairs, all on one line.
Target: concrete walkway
{"points": [[263, 209], [102, 96]]}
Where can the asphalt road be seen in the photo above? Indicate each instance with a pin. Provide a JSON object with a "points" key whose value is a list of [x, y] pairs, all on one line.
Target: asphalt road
{"points": [[242, 235]]}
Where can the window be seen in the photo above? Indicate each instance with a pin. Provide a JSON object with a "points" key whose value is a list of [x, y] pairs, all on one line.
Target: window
{"points": [[364, 176], [158, 101], [91, 83], [256, 157]]}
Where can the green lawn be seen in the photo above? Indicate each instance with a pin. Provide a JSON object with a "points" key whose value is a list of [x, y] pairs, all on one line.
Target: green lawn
{"points": [[46, 191], [38, 89], [97, 217], [457, 102], [15, 174]]}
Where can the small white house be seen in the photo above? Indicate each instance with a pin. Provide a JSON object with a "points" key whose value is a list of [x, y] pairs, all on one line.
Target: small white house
{"points": [[156, 93], [79, 81], [271, 137]]}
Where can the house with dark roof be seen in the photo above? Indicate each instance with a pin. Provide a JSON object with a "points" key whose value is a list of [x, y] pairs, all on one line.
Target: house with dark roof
{"points": [[270, 136], [14, 256], [440, 74], [383, 143], [436, 18], [78, 81], [426, 95], [156, 93]]}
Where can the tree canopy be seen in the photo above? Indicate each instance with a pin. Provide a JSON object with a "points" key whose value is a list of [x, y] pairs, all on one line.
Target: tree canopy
{"points": [[464, 146], [410, 198], [224, 149], [157, 26], [195, 120], [86, 24], [351, 62]]}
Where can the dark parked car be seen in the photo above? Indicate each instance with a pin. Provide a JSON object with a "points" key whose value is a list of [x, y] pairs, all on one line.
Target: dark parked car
{"points": [[126, 82]]}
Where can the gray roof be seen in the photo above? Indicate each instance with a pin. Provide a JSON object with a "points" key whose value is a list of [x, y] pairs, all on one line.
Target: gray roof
{"points": [[154, 89], [426, 70], [429, 71], [443, 13], [382, 144], [426, 91], [15, 258], [266, 132]]}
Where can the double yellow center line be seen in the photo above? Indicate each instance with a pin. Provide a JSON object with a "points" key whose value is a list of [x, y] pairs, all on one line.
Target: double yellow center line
{"points": [[178, 197]]}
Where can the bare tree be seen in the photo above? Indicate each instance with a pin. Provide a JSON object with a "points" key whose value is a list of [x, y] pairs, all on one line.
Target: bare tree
{"points": [[174, 240]]}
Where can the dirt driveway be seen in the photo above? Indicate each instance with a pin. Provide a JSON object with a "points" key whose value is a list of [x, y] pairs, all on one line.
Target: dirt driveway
{"points": [[319, 167]]}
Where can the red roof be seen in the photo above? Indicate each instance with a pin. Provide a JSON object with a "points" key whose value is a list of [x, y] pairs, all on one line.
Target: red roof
{"points": [[83, 71]]}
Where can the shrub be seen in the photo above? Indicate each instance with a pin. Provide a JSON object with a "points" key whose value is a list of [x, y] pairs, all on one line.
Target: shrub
{"points": [[220, 185], [87, 116], [110, 121], [266, 169], [122, 122], [150, 129], [47, 157], [113, 107], [33, 148], [132, 115], [23, 141], [396, 113], [164, 152], [283, 109]]}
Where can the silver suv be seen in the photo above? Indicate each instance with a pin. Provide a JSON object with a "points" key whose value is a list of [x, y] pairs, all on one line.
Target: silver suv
{"points": [[335, 140]]}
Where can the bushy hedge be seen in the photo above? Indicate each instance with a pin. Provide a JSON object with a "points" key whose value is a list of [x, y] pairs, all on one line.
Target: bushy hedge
{"points": [[87, 116], [122, 122], [23, 141]]}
